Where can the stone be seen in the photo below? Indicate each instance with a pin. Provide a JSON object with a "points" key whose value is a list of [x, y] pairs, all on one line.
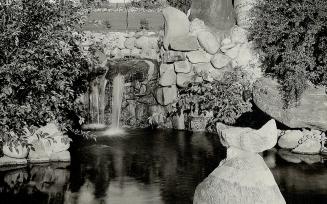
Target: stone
{"points": [[182, 67], [290, 139], [197, 26], [38, 154], [149, 54], [198, 56], [49, 129], [126, 52], [289, 156], [15, 151], [60, 143], [227, 42], [167, 75], [204, 70], [208, 42], [153, 43], [176, 24], [120, 42], [60, 156], [184, 43], [243, 177], [251, 140], [166, 95], [219, 60], [245, 55], [9, 161], [172, 56], [311, 111], [217, 14], [309, 146], [116, 53], [233, 52], [130, 43], [239, 35], [184, 79], [135, 52], [142, 43], [179, 122]]}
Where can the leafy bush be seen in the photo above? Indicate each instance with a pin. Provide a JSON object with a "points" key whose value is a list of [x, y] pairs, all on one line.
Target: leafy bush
{"points": [[293, 36], [147, 4], [42, 71], [183, 5], [225, 100]]}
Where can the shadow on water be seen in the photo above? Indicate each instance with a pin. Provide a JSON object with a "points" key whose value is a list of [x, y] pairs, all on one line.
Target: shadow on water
{"points": [[147, 166]]}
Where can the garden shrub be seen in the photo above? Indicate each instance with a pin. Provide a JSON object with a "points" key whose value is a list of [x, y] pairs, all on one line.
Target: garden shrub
{"points": [[227, 99], [42, 70], [183, 5], [293, 36]]}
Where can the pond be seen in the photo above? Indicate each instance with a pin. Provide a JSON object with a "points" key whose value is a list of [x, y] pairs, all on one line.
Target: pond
{"points": [[147, 166]]}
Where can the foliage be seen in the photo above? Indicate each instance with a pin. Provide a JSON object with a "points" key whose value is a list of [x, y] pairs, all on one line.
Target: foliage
{"points": [[225, 100], [147, 4], [183, 5], [144, 24], [293, 36], [42, 70]]}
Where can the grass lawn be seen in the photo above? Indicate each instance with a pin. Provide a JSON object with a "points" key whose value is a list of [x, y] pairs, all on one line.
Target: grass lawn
{"points": [[118, 21]]}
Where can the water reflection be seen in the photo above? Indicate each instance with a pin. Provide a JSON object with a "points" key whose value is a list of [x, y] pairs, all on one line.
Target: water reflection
{"points": [[149, 167]]}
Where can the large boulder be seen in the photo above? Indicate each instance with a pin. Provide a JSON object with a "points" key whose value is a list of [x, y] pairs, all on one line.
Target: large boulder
{"points": [[208, 42], [218, 14], [290, 139], [176, 25], [172, 56], [17, 150], [242, 178], [184, 79], [311, 111], [251, 140]]}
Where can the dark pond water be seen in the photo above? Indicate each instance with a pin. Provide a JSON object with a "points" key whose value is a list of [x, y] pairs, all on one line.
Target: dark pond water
{"points": [[147, 167]]}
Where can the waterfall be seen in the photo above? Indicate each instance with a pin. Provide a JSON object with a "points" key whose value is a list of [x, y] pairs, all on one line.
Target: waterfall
{"points": [[117, 98]]}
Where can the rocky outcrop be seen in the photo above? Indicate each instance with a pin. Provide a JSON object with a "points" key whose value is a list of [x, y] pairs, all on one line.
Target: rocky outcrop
{"points": [[176, 25], [17, 151], [218, 14], [290, 139], [208, 42], [166, 95], [184, 43], [243, 177], [311, 111]]}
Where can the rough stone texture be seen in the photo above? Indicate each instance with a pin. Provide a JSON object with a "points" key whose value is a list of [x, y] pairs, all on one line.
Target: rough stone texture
{"points": [[206, 71], [9, 161], [310, 113], [208, 42], [182, 67], [198, 56], [184, 79], [218, 14], [219, 60], [167, 75], [130, 43], [18, 152], [39, 154], [233, 52], [179, 122], [172, 56], [239, 35], [309, 146], [176, 24], [242, 178], [166, 95], [197, 26], [142, 42], [290, 139], [60, 156], [135, 52], [125, 52], [251, 140], [184, 43]]}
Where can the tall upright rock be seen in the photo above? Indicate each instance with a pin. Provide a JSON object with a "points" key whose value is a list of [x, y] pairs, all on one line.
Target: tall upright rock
{"points": [[218, 14]]}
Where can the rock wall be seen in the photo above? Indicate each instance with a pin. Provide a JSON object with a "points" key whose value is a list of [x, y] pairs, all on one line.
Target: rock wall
{"points": [[193, 52]]}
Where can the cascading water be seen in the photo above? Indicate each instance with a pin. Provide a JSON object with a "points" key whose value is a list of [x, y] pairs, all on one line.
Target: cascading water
{"points": [[117, 98]]}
